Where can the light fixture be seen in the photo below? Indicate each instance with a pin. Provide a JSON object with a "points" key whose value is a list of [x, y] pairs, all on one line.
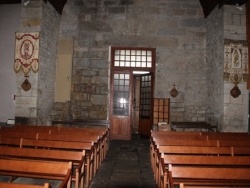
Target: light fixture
{"points": [[26, 2], [174, 91]]}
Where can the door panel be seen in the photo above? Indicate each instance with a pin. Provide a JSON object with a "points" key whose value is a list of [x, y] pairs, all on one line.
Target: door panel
{"points": [[146, 96], [121, 106]]}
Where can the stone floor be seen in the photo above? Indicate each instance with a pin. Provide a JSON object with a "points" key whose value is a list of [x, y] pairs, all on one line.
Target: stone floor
{"points": [[127, 165]]}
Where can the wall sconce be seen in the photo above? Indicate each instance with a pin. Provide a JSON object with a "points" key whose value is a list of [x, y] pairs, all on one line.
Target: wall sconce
{"points": [[174, 91], [235, 92], [26, 85]]}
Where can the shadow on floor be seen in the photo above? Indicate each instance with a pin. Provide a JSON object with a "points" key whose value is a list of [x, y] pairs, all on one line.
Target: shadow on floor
{"points": [[127, 165]]}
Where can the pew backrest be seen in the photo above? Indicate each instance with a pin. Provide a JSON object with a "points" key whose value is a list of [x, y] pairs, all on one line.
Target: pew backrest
{"points": [[18, 185], [214, 175], [38, 169]]}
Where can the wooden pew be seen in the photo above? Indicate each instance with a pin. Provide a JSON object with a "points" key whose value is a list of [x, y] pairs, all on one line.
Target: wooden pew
{"points": [[68, 146], [78, 135], [18, 185], [168, 142], [77, 138], [234, 143], [184, 151], [38, 169], [9, 141], [76, 157], [97, 135], [205, 169], [103, 134], [223, 176], [30, 128]]}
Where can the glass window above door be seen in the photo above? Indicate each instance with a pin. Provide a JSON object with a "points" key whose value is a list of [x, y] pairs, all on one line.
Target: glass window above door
{"points": [[133, 58]]}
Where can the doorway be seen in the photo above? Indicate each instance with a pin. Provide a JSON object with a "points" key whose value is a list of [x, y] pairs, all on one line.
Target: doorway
{"points": [[131, 91]]}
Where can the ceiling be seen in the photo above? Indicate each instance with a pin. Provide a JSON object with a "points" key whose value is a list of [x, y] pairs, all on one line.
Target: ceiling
{"points": [[207, 5]]}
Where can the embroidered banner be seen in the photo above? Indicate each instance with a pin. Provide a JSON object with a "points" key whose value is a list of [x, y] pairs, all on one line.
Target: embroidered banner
{"points": [[26, 52], [235, 61]]}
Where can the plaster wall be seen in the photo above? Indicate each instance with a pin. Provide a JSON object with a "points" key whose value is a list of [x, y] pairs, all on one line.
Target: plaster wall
{"points": [[10, 21]]}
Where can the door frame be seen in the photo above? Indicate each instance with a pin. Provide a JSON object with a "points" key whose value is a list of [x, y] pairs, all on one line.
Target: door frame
{"points": [[126, 69]]}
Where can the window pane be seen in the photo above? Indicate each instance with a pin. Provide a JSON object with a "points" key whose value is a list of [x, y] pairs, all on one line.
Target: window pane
{"points": [[149, 64], [117, 63], [122, 64], [138, 58], [133, 58], [122, 52], [127, 52], [121, 95], [138, 52]]}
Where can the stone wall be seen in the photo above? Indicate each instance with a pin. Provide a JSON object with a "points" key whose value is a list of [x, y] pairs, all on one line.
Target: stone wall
{"points": [[227, 23], [235, 109], [36, 104], [214, 56], [26, 101], [175, 28], [47, 70]]}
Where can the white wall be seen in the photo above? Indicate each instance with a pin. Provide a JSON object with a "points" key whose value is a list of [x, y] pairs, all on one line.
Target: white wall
{"points": [[9, 24]]}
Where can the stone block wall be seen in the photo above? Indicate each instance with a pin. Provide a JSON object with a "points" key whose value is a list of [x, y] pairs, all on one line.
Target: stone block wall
{"points": [[48, 55], [26, 101], [236, 110], [227, 23], [175, 28], [215, 59], [36, 104]]}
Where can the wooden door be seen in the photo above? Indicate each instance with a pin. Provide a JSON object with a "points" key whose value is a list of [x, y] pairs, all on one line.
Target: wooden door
{"points": [[64, 69], [146, 97], [120, 118]]}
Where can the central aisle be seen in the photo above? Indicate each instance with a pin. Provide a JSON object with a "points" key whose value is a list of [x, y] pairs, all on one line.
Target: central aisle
{"points": [[127, 165]]}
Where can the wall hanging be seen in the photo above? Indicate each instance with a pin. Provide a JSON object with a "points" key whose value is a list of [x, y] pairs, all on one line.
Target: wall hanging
{"points": [[174, 91], [26, 52], [235, 64], [26, 85]]}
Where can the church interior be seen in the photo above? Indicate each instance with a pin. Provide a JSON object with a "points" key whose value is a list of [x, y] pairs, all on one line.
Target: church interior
{"points": [[155, 90]]}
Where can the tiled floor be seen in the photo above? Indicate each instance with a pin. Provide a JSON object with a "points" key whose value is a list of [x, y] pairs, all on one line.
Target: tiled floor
{"points": [[127, 165]]}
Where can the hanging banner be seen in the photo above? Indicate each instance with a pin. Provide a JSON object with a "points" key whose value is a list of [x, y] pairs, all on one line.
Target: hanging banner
{"points": [[26, 52], [235, 61]]}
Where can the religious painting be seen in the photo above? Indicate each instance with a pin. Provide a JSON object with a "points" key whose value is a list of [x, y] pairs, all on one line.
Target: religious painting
{"points": [[26, 52], [235, 61], [236, 58]]}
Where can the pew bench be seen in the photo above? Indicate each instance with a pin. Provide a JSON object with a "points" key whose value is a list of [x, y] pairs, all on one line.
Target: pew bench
{"points": [[18, 185], [27, 133], [38, 169], [66, 146], [218, 170], [76, 157], [223, 176]]}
